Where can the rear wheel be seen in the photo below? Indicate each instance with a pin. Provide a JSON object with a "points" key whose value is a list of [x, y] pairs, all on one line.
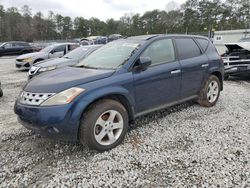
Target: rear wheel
{"points": [[226, 77], [24, 52], [210, 93], [104, 125]]}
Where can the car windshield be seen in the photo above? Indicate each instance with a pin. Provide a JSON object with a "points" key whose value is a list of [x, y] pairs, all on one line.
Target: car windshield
{"points": [[77, 53], [111, 55], [3, 44], [48, 49]]}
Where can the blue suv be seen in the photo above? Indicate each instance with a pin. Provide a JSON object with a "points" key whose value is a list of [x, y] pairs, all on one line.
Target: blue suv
{"points": [[96, 100]]}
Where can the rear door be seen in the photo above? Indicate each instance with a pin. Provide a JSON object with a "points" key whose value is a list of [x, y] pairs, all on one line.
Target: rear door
{"points": [[194, 66], [17, 48], [160, 83]]}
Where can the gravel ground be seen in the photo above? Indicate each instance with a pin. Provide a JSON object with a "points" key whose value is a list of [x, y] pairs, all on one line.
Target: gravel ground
{"points": [[186, 145]]}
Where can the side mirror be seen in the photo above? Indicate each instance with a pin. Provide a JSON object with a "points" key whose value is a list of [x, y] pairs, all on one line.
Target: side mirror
{"points": [[2, 47], [52, 51], [143, 63]]}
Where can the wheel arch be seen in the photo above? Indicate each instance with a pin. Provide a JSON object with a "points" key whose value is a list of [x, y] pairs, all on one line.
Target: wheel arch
{"points": [[218, 75], [38, 60], [120, 97]]}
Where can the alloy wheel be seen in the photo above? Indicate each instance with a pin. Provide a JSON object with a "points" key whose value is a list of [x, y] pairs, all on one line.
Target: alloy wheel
{"points": [[108, 127], [213, 91]]}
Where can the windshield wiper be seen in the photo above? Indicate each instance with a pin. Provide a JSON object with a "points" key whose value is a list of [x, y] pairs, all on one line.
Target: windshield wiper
{"points": [[86, 67]]}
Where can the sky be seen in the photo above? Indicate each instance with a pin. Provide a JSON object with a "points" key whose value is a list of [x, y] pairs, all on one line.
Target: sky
{"points": [[102, 9]]}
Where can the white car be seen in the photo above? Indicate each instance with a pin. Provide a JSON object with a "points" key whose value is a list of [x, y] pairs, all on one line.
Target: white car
{"points": [[24, 62]]}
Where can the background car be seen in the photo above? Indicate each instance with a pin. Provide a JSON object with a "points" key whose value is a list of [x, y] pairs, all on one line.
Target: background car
{"points": [[24, 62], [94, 40], [72, 58], [16, 48], [114, 37], [237, 58]]}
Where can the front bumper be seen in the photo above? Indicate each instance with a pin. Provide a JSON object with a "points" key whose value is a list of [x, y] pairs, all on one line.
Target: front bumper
{"points": [[23, 65], [57, 122]]}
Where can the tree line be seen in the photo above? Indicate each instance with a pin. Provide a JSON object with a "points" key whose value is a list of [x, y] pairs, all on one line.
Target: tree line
{"points": [[194, 16]]}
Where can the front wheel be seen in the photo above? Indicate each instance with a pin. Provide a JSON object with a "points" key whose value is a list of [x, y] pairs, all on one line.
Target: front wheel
{"points": [[210, 92], [1, 92], [104, 125]]}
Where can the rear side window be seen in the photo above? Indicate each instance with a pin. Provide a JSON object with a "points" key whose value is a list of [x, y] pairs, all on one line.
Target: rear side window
{"points": [[187, 48], [203, 43], [72, 47], [160, 51]]}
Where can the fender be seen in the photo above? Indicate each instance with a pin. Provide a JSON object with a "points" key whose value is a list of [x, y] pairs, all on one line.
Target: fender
{"points": [[84, 100]]}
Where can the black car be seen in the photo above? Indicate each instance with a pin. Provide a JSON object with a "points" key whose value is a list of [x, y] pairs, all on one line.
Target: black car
{"points": [[1, 91], [16, 48]]}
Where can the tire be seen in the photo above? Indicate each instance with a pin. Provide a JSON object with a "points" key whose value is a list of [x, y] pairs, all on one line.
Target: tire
{"points": [[206, 97], [24, 52], [99, 130], [37, 60], [226, 77], [1, 92]]}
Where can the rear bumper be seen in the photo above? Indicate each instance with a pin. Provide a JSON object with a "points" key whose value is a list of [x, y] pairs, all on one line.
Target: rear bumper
{"points": [[238, 70], [57, 122]]}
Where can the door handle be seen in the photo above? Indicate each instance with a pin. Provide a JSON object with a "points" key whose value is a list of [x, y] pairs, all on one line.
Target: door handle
{"points": [[175, 71], [204, 65]]}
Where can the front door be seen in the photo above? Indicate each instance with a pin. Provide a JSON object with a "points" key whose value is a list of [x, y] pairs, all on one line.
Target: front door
{"points": [[160, 83], [58, 51]]}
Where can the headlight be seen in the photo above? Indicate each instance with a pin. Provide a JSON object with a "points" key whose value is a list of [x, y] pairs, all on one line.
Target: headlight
{"points": [[29, 60], [43, 69], [63, 97]]}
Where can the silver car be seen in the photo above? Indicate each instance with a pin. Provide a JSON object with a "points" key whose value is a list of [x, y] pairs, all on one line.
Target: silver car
{"points": [[70, 59], [24, 62]]}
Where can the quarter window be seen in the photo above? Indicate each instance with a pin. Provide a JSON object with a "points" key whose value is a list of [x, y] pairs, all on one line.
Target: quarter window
{"points": [[203, 43], [160, 51], [187, 48]]}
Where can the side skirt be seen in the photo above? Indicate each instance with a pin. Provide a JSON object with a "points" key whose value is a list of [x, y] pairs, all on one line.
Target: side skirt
{"points": [[166, 106]]}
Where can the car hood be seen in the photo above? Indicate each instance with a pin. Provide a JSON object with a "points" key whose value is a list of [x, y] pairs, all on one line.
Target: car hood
{"points": [[55, 61], [64, 78], [238, 45], [30, 55]]}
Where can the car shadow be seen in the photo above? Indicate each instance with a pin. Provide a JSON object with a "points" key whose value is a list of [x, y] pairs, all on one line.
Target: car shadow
{"points": [[237, 79]]}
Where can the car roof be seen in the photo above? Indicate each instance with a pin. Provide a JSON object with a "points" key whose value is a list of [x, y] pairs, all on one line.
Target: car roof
{"points": [[64, 43], [17, 42], [92, 46], [148, 37]]}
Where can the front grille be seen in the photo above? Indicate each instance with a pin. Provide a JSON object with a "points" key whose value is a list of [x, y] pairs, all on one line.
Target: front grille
{"points": [[18, 66], [34, 99], [235, 60]]}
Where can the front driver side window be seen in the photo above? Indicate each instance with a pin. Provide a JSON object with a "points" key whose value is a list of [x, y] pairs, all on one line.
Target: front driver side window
{"points": [[8, 45], [60, 49], [161, 51]]}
